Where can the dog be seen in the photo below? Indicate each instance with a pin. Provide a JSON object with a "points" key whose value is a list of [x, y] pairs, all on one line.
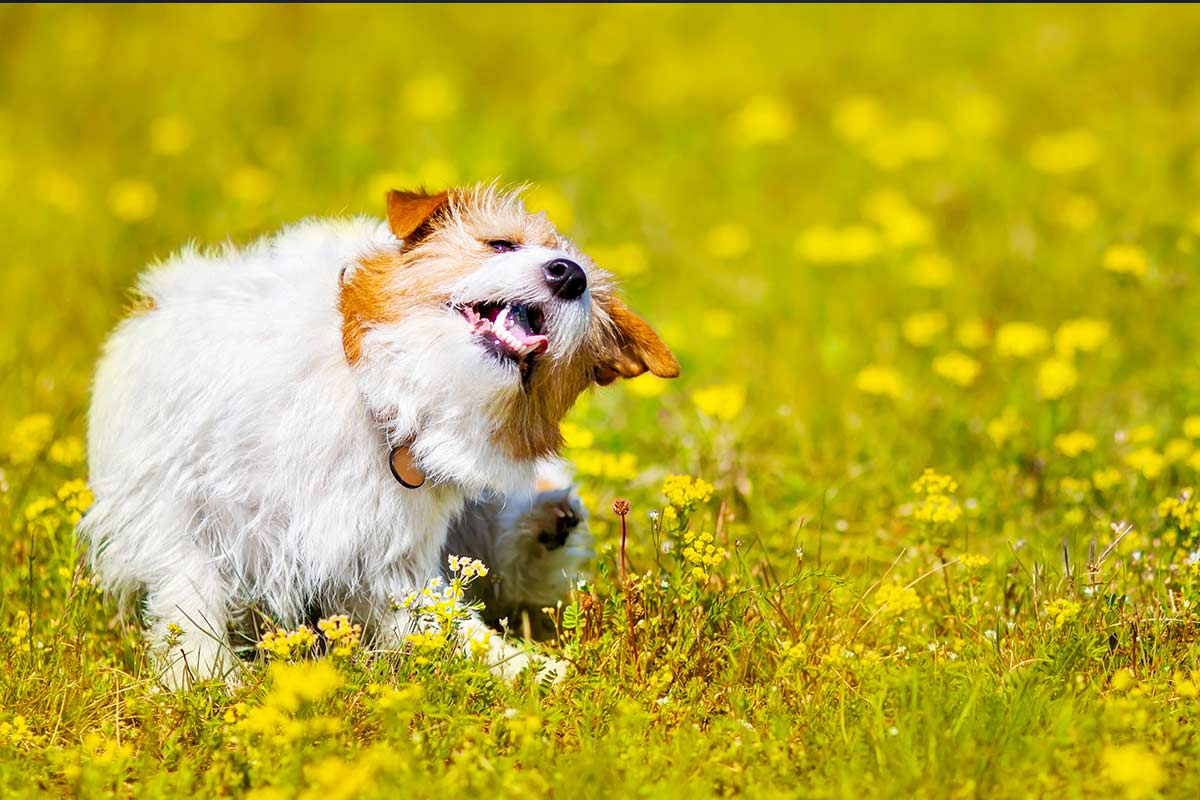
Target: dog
{"points": [[295, 424]]}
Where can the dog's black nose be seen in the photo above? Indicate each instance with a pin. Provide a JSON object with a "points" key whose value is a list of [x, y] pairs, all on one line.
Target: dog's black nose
{"points": [[565, 278]]}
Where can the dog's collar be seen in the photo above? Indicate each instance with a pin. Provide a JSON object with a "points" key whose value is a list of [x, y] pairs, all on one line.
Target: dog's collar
{"points": [[404, 469]]}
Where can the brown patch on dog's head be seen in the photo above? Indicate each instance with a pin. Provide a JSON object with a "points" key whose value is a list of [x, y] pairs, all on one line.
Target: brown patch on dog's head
{"points": [[465, 253]]}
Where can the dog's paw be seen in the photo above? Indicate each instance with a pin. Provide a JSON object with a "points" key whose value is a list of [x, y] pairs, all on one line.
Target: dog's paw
{"points": [[556, 514]]}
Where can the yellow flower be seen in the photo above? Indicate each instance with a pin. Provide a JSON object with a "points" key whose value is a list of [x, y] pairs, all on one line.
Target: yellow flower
{"points": [[1122, 680], [612, 466], [342, 635], [1004, 427], [1062, 612], [723, 401], [29, 438], [1127, 259], [576, 437], [306, 682], [67, 451], [1105, 479], [684, 491], [1191, 427], [895, 600], [1177, 450], [902, 223], [1056, 377], [974, 561], [922, 328], [764, 119], [856, 117], [76, 499], [957, 367], [1064, 153], [1080, 335], [132, 200], [645, 386], [1074, 443], [824, 244], [1146, 461], [880, 381], [1134, 769], [286, 644], [936, 504], [1021, 340]]}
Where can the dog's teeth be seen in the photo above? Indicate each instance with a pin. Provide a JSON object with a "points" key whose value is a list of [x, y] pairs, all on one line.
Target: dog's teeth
{"points": [[500, 319]]}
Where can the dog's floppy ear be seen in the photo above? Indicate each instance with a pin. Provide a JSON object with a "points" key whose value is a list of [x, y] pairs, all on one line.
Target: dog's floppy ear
{"points": [[633, 348], [409, 214]]}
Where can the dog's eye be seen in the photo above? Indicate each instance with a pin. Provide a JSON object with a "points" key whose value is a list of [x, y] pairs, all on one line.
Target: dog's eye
{"points": [[503, 245]]}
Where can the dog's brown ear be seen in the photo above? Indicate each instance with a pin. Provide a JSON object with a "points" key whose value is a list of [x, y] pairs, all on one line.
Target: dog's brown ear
{"points": [[410, 214], [634, 348]]}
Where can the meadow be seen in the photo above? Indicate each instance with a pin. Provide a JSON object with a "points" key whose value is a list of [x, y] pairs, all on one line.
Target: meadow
{"points": [[917, 519]]}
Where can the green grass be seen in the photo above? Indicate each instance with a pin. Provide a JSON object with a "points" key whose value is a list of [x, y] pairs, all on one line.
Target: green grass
{"points": [[815, 206]]}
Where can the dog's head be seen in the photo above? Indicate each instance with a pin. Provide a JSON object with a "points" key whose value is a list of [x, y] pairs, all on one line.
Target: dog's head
{"points": [[476, 331]]}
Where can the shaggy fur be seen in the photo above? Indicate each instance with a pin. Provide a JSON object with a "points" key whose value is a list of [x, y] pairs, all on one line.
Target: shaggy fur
{"points": [[241, 423]]}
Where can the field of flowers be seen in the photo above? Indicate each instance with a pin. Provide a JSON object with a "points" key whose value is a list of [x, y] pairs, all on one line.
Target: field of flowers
{"points": [[917, 519]]}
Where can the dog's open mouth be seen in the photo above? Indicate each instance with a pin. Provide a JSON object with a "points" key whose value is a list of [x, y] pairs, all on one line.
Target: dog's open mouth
{"points": [[512, 331]]}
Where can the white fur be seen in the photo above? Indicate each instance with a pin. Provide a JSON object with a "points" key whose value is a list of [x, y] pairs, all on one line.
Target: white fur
{"points": [[237, 458]]}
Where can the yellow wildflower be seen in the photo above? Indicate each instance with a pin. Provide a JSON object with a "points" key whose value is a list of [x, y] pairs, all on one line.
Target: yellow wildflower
{"points": [[1074, 443], [29, 438], [1105, 479], [1004, 427], [880, 381], [957, 367], [764, 119], [1062, 612], [1056, 377], [922, 328], [306, 682], [902, 223], [341, 634], [67, 452], [286, 644], [1021, 340], [1127, 259], [896, 600], [1080, 335], [1147, 461], [1191, 427], [1177, 450], [974, 561], [1134, 769]]}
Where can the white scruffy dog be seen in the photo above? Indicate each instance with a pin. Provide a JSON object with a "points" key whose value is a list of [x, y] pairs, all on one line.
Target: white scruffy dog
{"points": [[294, 425]]}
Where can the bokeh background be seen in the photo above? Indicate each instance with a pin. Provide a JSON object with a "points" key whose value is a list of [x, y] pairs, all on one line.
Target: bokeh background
{"points": [[879, 239]]}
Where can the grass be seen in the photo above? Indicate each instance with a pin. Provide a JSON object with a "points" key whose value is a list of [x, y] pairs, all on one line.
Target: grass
{"points": [[880, 240]]}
